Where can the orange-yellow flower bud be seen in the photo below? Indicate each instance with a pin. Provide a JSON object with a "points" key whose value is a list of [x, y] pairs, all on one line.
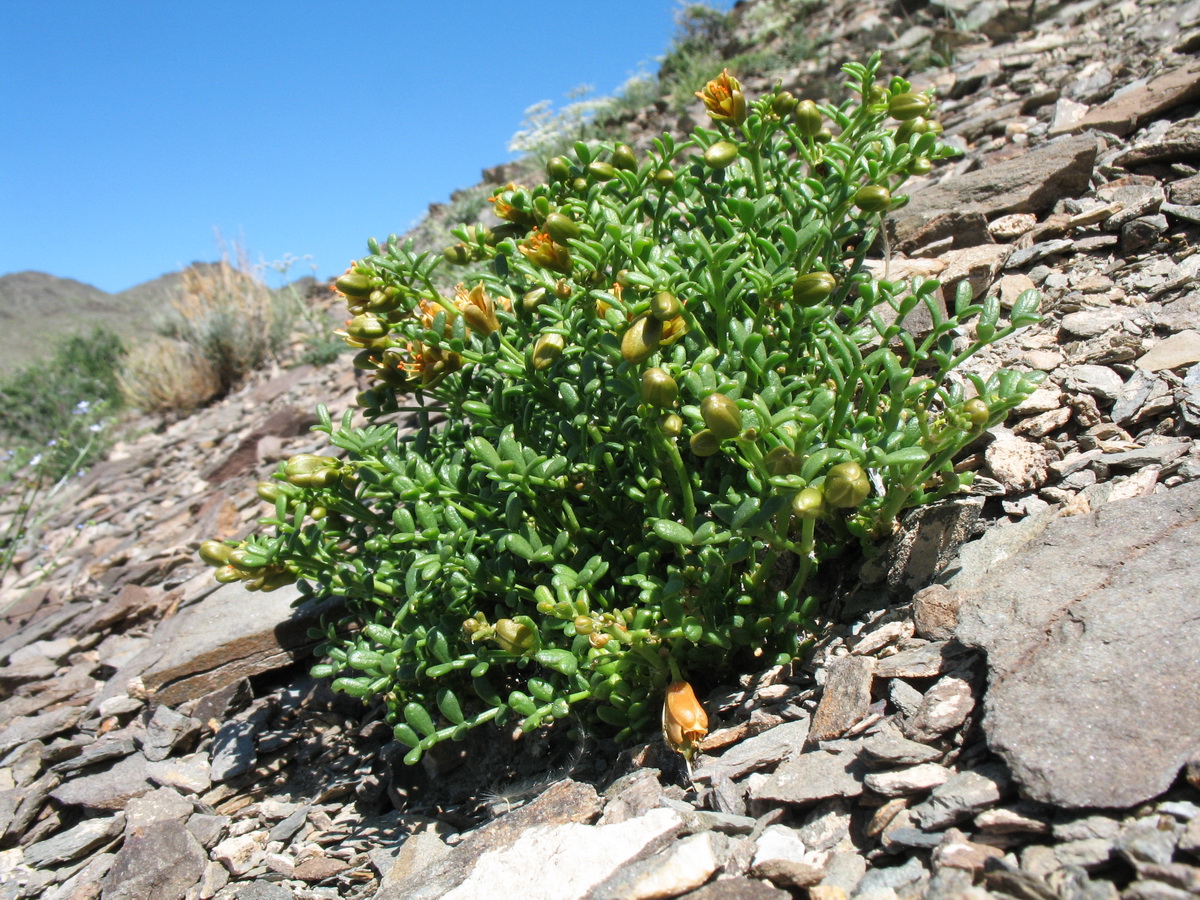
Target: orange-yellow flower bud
{"points": [[477, 308], [724, 100], [541, 250], [684, 721]]}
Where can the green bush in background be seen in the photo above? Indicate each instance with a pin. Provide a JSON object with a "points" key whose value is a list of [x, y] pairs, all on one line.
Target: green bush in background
{"points": [[666, 391], [55, 421], [51, 409]]}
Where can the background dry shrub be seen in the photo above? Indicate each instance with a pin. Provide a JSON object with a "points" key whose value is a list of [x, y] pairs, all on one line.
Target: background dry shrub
{"points": [[226, 312], [165, 374]]}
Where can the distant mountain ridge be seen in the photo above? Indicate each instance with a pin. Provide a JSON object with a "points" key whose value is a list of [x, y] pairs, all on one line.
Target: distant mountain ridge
{"points": [[39, 310]]}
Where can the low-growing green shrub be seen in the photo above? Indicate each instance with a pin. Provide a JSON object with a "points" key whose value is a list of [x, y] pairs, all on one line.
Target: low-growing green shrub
{"points": [[666, 392], [56, 420], [52, 409]]}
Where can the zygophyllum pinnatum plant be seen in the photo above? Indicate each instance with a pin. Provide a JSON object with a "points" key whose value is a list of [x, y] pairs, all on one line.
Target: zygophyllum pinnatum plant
{"points": [[666, 391]]}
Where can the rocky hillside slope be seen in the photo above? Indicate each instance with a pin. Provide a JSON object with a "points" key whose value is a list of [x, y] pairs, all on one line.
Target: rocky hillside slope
{"points": [[1004, 705]]}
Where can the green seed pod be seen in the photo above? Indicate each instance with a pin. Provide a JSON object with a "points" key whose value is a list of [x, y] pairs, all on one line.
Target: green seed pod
{"points": [[228, 575], [457, 255], [783, 103], [547, 350], [908, 105], [558, 168], [560, 228], [602, 171], [215, 553], [368, 399], [579, 185], [911, 127], [935, 127], [920, 165], [267, 490], [531, 299], [365, 359], [366, 327], [808, 504], [808, 118], [385, 301], [641, 339], [977, 411], [664, 178], [813, 288], [721, 415], [623, 157], [846, 485], [671, 425], [513, 636], [873, 198], [584, 625], [665, 306], [721, 155], [308, 470], [824, 136], [274, 580], [705, 443], [353, 284], [782, 461], [659, 388]]}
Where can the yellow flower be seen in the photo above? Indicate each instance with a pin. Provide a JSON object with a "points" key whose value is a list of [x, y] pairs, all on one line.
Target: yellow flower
{"points": [[505, 210], [673, 330], [724, 100], [429, 364], [477, 308], [540, 250], [684, 721]]}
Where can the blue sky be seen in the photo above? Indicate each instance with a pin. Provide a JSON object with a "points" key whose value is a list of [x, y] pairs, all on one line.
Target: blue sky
{"points": [[130, 130]]}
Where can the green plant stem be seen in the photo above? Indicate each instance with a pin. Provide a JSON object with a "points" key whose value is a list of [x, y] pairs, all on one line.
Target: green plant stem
{"points": [[682, 482], [808, 530], [755, 157]]}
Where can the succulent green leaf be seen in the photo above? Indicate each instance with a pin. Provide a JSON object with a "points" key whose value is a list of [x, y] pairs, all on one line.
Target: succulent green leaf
{"points": [[672, 532]]}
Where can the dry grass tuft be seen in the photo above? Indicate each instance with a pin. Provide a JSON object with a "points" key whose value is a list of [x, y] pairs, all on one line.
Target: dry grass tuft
{"points": [[224, 323], [164, 375]]}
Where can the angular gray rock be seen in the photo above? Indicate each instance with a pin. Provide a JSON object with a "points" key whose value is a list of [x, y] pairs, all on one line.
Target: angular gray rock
{"points": [[683, 866], [1033, 182], [570, 859], [74, 842], [1092, 648], [225, 637], [846, 700], [107, 790], [813, 776], [160, 858]]}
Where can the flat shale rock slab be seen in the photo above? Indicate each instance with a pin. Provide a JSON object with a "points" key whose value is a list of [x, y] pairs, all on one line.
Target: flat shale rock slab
{"points": [[228, 635], [1092, 634], [1031, 183]]}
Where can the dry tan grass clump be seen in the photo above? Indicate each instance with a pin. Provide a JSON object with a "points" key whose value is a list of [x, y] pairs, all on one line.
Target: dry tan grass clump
{"points": [[223, 324], [163, 375]]}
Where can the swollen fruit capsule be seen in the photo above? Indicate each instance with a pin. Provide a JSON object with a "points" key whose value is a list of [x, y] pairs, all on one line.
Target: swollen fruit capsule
{"points": [[873, 198], [721, 415], [659, 388], [813, 288], [846, 485], [908, 105], [721, 155]]}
